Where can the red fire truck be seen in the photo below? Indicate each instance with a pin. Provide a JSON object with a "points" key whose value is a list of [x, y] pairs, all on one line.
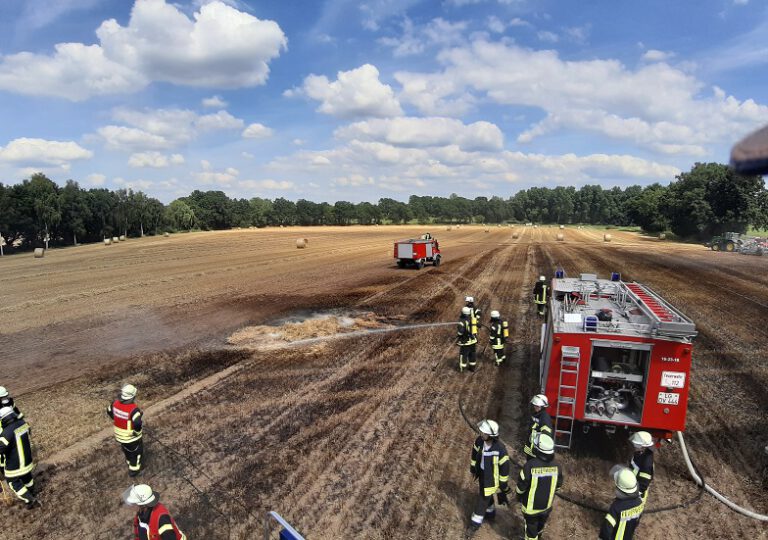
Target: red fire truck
{"points": [[417, 252], [614, 354]]}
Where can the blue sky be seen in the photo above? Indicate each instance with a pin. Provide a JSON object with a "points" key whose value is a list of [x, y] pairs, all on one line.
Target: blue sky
{"points": [[362, 99]]}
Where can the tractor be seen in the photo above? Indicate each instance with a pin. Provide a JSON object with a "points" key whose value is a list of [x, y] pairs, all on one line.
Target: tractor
{"points": [[729, 241]]}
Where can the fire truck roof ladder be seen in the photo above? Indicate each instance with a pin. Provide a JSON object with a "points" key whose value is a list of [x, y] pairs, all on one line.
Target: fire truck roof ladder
{"points": [[565, 410], [666, 319]]}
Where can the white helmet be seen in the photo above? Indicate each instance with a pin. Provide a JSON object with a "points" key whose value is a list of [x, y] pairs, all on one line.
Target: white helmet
{"points": [[544, 443], [495, 314], [469, 299], [488, 427], [542, 278], [625, 480], [641, 439], [540, 400], [5, 411], [128, 392], [141, 495], [3, 392], [466, 311]]}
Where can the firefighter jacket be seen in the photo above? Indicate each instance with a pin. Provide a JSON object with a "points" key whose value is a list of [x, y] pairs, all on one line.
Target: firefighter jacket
{"points": [[15, 447], [539, 479], [642, 466], [622, 519], [490, 465], [464, 334], [499, 333], [474, 319], [541, 422], [8, 402], [540, 291], [127, 420], [158, 526]]}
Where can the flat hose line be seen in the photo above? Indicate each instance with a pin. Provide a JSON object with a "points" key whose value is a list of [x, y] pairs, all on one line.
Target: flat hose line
{"points": [[595, 508]]}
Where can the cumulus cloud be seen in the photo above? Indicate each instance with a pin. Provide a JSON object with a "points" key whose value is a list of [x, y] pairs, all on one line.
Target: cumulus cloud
{"points": [[269, 184], [353, 180], [220, 48], [257, 131], [214, 102], [209, 176], [654, 55], [96, 179], [34, 152], [355, 93], [154, 160], [416, 39], [656, 106], [547, 36], [421, 132], [161, 129]]}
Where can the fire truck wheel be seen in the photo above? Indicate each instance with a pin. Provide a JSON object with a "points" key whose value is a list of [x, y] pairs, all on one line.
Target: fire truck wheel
{"points": [[419, 265], [400, 264], [436, 262]]}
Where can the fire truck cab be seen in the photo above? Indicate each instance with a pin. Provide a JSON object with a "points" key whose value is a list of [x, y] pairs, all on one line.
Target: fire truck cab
{"points": [[614, 354]]}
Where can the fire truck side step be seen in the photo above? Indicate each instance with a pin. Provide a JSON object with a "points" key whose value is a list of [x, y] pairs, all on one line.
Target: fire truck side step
{"points": [[568, 387]]}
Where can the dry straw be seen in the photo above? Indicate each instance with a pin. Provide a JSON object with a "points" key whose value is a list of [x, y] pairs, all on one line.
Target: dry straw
{"points": [[560, 237], [607, 237], [515, 235], [301, 243], [115, 239], [662, 236], [39, 253], [122, 238]]}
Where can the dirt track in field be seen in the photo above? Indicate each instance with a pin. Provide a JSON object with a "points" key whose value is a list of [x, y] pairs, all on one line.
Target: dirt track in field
{"points": [[356, 436]]}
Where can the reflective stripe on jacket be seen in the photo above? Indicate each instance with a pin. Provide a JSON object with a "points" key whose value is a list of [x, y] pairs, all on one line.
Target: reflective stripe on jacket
{"points": [[536, 487], [642, 466], [540, 291], [464, 334], [622, 519], [16, 448], [127, 421], [492, 464], [541, 422], [499, 333], [161, 526]]}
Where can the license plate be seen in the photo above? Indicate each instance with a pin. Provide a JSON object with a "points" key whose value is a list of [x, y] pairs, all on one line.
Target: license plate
{"points": [[669, 398]]}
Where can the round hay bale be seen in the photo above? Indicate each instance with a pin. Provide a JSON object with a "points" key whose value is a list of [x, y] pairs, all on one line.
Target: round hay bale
{"points": [[515, 235], [487, 229], [122, 238], [662, 236], [560, 237], [607, 237], [562, 227], [167, 234], [301, 243], [448, 228], [107, 241], [115, 239], [39, 253]]}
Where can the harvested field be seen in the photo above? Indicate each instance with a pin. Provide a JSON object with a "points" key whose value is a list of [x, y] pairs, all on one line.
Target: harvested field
{"points": [[281, 379]]}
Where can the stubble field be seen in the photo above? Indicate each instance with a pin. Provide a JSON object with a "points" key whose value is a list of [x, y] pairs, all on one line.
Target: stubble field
{"points": [[274, 378]]}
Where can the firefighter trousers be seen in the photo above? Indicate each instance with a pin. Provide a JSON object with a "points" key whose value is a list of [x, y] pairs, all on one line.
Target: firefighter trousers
{"points": [[134, 454], [484, 507], [500, 354], [467, 357], [534, 524], [23, 487]]}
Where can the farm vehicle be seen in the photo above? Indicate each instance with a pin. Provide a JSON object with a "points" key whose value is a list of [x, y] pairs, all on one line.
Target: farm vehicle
{"points": [[417, 252], [740, 243]]}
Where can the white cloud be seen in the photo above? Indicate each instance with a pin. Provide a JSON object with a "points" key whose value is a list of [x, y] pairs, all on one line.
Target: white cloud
{"points": [[34, 152], [96, 179], [496, 25], [416, 39], [656, 106], [353, 180], [547, 37], [434, 95], [155, 160], [355, 93], [134, 184], [517, 21], [209, 176], [214, 102], [298, 142], [247, 155], [654, 55], [741, 2], [421, 132], [320, 161], [162, 129], [274, 185], [220, 48], [401, 185], [257, 131]]}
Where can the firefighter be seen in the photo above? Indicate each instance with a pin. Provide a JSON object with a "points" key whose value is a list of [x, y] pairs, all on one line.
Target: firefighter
{"points": [[539, 479], [540, 293], [499, 332], [489, 465], [16, 456], [152, 521], [623, 516], [642, 462], [466, 341], [7, 401], [127, 418], [474, 314], [540, 422]]}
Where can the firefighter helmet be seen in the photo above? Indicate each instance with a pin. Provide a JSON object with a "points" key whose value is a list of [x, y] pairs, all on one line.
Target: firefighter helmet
{"points": [[3, 392], [542, 278], [495, 314], [625, 480], [128, 392], [469, 299], [5, 411], [466, 311], [141, 495], [488, 427], [544, 444], [641, 439], [540, 400]]}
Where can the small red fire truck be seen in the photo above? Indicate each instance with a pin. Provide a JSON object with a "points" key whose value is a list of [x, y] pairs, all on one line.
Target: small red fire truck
{"points": [[614, 354], [417, 252]]}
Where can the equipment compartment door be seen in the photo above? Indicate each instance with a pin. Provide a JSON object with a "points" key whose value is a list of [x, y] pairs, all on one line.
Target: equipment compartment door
{"points": [[405, 251]]}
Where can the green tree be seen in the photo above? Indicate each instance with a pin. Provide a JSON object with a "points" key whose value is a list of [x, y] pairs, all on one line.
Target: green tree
{"points": [[75, 211], [283, 212], [180, 215], [261, 210]]}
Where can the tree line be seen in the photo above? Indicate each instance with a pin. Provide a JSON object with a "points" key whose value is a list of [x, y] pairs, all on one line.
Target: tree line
{"points": [[709, 199]]}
